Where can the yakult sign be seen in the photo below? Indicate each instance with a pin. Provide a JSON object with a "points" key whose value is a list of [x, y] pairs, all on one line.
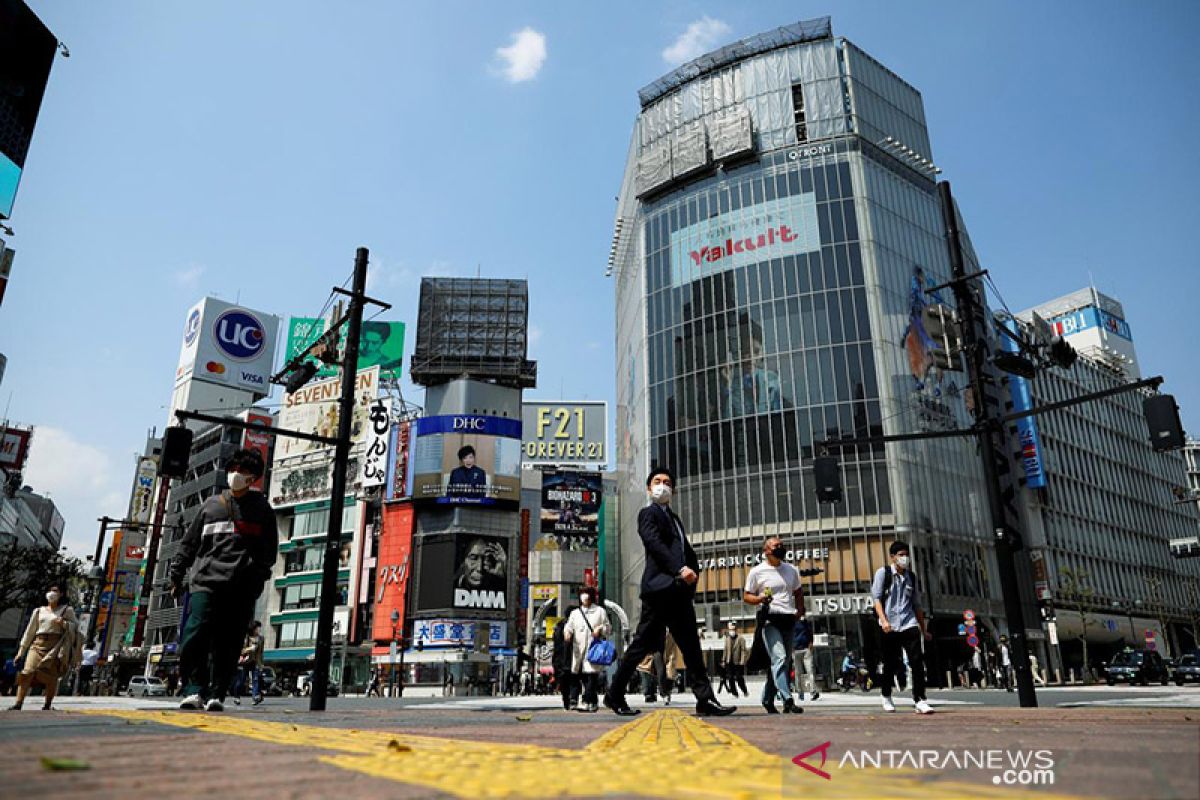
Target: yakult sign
{"points": [[748, 235], [229, 345]]}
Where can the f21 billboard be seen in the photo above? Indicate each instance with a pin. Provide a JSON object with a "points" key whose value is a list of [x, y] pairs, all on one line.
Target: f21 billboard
{"points": [[229, 345], [466, 459]]}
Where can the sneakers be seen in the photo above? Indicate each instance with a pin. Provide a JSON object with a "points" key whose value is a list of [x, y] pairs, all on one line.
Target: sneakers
{"points": [[214, 705], [816, 695], [237, 701], [666, 700], [790, 707], [924, 707], [193, 702], [888, 705], [258, 698]]}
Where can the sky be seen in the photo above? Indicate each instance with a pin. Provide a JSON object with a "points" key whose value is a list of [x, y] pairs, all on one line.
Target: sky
{"points": [[245, 150]]}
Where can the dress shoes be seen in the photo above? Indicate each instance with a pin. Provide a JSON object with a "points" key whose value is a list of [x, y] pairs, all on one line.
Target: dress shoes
{"points": [[770, 707], [790, 707], [711, 708], [620, 707]]}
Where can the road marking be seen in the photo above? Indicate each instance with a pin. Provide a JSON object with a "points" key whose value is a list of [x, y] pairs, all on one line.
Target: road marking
{"points": [[665, 754]]}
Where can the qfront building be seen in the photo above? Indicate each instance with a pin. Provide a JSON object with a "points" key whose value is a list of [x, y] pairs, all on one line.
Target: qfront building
{"points": [[777, 228]]}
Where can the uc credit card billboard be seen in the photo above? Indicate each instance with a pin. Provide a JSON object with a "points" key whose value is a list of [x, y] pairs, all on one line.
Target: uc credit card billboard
{"points": [[229, 345], [467, 459]]}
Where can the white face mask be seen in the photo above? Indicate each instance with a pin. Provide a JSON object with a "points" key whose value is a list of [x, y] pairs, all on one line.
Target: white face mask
{"points": [[661, 493], [585, 599], [237, 481], [52, 597], [902, 561]]}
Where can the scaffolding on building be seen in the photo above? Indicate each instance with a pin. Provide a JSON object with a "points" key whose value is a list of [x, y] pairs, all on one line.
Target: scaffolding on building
{"points": [[475, 328]]}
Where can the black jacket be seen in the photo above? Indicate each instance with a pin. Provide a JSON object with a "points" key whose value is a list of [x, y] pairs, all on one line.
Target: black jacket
{"points": [[230, 545], [666, 552]]}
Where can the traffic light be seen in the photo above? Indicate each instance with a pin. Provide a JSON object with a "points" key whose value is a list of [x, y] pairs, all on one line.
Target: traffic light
{"points": [[1060, 353], [829, 481], [176, 452], [1162, 418], [943, 327], [1046, 609], [300, 376]]}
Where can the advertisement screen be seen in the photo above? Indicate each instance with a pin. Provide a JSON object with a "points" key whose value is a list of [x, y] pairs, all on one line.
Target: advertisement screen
{"points": [[480, 572], [467, 459], [571, 503], [381, 344]]}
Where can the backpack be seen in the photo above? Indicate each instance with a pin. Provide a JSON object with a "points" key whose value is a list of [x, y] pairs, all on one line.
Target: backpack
{"points": [[887, 584]]}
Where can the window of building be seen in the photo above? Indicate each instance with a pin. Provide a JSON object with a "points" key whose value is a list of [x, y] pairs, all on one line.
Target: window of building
{"points": [[798, 112], [298, 634], [301, 596]]}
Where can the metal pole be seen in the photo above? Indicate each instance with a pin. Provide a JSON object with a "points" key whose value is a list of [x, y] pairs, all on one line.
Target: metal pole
{"points": [[160, 511], [97, 585], [989, 430], [341, 458]]}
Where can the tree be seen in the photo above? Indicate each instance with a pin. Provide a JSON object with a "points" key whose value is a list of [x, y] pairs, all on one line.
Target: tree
{"points": [[1076, 589], [26, 571]]}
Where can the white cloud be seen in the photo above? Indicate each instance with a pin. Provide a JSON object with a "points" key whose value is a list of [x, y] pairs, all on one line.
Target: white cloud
{"points": [[702, 36], [535, 335], [189, 276], [85, 483], [523, 59]]}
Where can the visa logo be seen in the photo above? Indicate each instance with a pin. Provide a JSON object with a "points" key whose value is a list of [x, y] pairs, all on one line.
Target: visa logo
{"points": [[250, 377]]}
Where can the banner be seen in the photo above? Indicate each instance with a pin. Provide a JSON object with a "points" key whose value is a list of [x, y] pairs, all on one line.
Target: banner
{"points": [[393, 566], [258, 441], [14, 448], [455, 632], [467, 459], [314, 409], [381, 344], [1029, 441], [399, 471], [374, 458], [571, 503]]}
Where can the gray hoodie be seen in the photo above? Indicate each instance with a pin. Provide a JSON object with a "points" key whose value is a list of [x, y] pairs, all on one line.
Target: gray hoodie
{"points": [[230, 546]]}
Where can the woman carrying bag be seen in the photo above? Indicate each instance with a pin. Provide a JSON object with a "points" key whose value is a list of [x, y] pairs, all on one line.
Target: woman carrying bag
{"points": [[50, 647], [587, 629]]}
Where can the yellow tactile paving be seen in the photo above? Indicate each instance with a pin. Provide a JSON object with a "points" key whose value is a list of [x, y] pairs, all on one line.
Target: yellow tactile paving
{"points": [[664, 754]]}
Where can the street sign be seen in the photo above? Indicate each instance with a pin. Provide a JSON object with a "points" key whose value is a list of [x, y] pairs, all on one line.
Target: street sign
{"points": [[962, 629], [969, 628], [392, 651], [1052, 632], [973, 641], [969, 615]]}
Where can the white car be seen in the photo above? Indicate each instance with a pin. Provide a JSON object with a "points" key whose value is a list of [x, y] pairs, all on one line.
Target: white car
{"points": [[142, 686]]}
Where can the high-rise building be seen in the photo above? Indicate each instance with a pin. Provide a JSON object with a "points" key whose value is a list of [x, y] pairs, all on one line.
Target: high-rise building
{"points": [[777, 233], [1105, 518]]}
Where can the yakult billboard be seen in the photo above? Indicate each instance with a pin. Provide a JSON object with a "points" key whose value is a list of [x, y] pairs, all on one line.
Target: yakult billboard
{"points": [[228, 345]]}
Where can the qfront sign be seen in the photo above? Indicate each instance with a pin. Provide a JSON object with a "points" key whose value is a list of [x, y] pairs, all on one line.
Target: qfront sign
{"points": [[228, 345]]}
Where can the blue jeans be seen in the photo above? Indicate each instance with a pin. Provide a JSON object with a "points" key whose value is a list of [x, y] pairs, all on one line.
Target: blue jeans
{"points": [[777, 636]]}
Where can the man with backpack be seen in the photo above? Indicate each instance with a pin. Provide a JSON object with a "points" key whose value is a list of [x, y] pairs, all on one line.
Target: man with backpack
{"points": [[898, 607]]}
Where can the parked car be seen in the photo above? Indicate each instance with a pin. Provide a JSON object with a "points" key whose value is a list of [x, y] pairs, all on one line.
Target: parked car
{"points": [[1137, 666], [1188, 669], [142, 686]]}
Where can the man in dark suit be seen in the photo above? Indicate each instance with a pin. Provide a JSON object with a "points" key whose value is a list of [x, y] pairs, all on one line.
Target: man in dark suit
{"points": [[668, 589]]}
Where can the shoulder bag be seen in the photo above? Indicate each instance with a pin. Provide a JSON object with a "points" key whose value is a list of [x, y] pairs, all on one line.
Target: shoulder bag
{"points": [[601, 652]]}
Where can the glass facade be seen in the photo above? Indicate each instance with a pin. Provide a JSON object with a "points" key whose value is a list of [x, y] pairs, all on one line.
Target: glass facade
{"points": [[773, 301]]}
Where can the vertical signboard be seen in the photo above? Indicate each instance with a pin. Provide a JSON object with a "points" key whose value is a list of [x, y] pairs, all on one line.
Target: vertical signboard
{"points": [[393, 565], [1028, 440], [399, 472], [374, 459]]}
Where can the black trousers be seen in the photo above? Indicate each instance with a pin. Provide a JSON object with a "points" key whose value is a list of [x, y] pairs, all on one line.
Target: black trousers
{"points": [[737, 678], [908, 640], [212, 640], [662, 611]]}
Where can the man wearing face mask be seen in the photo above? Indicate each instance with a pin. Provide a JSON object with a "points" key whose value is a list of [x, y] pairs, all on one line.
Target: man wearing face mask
{"points": [[226, 556], [898, 607], [776, 583], [667, 592]]}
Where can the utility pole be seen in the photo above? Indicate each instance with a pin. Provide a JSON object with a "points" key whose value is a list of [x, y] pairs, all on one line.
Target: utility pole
{"points": [[993, 450], [341, 458]]}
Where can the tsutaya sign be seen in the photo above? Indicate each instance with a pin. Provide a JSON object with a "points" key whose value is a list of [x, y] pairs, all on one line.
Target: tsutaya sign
{"points": [[750, 559], [748, 235], [838, 604]]}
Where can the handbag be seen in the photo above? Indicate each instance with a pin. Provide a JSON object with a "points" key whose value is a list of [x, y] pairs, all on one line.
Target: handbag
{"points": [[601, 652]]}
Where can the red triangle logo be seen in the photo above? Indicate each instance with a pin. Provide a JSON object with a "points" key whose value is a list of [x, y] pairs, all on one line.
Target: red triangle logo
{"points": [[823, 750]]}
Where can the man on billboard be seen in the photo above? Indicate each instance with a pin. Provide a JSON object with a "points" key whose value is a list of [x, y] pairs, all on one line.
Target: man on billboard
{"points": [[371, 347], [482, 575], [466, 480]]}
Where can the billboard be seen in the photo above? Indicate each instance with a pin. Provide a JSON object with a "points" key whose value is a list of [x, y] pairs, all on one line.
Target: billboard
{"points": [[141, 502], [258, 441], [27, 49], [571, 504], [399, 470], [457, 632], [1029, 441], [480, 572], [374, 459], [565, 432], [393, 565], [228, 345], [14, 447], [381, 344], [314, 409], [464, 459]]}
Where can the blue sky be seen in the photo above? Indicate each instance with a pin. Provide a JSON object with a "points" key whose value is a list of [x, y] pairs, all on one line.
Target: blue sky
{"points": [[247, 149]]}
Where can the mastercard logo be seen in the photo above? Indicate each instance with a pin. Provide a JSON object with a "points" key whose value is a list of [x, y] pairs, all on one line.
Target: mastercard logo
{"points": [[215, 367]]}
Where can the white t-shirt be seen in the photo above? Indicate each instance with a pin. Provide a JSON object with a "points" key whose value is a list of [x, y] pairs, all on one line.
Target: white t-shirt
{"points": [[783, 581]]}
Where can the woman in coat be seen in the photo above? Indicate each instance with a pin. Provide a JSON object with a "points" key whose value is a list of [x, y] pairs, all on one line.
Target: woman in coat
{"points": [[49, 647], [587, 624]]}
